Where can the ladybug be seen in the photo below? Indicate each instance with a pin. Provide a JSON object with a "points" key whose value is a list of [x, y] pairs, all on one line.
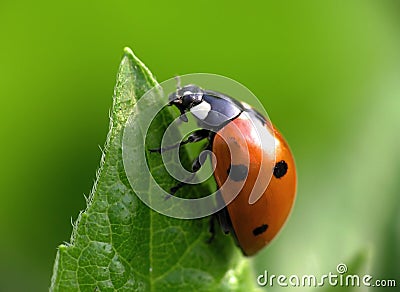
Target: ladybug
{"points": [[242, 163]]}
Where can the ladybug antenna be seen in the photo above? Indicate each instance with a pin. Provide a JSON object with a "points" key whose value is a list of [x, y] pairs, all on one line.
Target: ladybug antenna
{"points": [[172, 96], [178, 82]]}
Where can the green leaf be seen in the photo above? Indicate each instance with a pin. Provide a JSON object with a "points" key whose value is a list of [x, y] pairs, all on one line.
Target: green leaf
{"points": [[119, 243]]}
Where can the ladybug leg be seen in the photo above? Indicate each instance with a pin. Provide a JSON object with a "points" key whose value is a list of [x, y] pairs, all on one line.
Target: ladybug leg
{"points": [[226, 224], [225, 221], [176, 188], [196, 136], [212, 228], [222, 216], [197, 163]]}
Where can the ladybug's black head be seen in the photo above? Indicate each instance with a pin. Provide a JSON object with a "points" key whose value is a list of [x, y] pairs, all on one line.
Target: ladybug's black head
{"points": [[185, 98]]}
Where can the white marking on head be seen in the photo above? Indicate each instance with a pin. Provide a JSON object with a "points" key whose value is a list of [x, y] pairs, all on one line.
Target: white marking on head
{"points": [[201, 110]]}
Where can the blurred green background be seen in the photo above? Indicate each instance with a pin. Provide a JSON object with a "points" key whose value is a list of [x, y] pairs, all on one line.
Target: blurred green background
{"points": [[328, 73]]}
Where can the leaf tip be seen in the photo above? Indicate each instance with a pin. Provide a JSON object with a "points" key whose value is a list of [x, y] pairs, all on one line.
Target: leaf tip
{"points": [[128, 54], [128, 51]]}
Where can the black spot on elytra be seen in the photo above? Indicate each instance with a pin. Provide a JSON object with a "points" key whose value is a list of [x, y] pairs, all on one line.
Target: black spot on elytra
{"points": [[237, 172], [260, 229], [280, 169]]}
